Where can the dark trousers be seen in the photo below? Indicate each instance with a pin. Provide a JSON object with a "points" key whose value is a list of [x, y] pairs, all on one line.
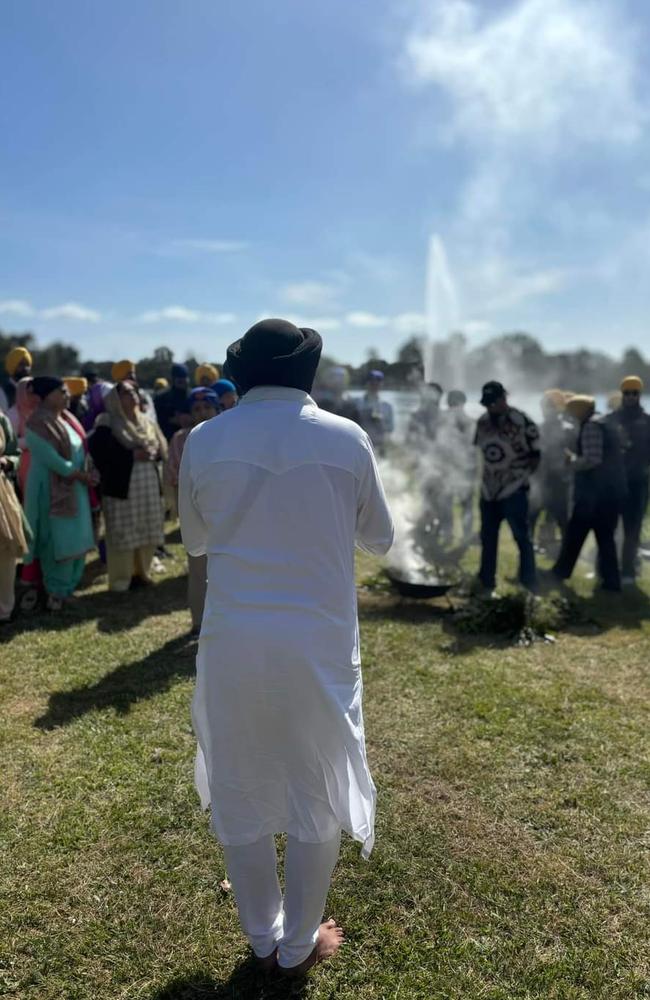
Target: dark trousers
{"points": [[600, 517], [634, 508], [553, 497], [514, 510]]}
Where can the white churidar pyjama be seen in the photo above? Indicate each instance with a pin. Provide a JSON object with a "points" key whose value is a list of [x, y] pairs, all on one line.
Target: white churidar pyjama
{"points": [[269, 922]]}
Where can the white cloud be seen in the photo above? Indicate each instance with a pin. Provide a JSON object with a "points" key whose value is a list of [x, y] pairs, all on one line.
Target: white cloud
{"points": [[540, 70], [311, 294], [72, 311], [17, 307], [410, 324], [181, 314], [365, 320], [215, 246], [321, 323]]}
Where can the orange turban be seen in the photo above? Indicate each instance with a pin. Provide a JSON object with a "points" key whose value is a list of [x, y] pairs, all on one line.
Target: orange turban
{"points": [[556, 397], [208, 371], [76, 385], [122, 370], [15, 356], [581, 407], [632, 382]]}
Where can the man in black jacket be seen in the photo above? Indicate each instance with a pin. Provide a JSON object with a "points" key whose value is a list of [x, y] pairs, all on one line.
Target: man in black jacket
{"points": [[633, 424], [598, 493]]}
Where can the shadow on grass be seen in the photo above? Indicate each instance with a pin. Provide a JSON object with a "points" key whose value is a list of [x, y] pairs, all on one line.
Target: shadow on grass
{"points": [[112, 612], [123, 687], [245, 983], [497, 623]]}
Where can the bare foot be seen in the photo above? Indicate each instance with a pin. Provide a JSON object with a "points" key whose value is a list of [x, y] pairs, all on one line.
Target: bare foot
{"points": [[330, 939], [268, 964]]}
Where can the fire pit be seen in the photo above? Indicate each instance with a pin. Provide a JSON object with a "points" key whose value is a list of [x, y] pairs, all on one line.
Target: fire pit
{"points": [[418, 586]]}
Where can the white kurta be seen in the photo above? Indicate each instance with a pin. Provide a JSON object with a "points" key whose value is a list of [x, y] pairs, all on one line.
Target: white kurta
{"points": [[276, 492]]}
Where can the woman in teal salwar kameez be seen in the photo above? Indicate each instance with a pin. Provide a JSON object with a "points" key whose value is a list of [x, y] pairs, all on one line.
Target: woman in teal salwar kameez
{"points": [[56, 502]]}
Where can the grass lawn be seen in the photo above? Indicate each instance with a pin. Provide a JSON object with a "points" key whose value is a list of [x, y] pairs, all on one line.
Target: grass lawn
{"points": [[513, 832]]}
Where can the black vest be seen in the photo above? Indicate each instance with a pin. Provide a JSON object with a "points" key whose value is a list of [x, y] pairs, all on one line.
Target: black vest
{"points": [[605, 483]]}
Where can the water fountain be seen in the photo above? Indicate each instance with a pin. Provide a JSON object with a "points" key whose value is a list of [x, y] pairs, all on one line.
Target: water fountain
{"points": [[442, 319]]}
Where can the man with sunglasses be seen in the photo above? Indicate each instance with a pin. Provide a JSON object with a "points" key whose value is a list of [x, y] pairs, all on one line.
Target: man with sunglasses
{"points": [[633, 425]]}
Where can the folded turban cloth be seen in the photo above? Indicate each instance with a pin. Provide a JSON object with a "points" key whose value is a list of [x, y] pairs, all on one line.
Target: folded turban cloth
{"points": [[581, 407], [202, 394], [556, 397], [15, 356], [76, 385], [160, 384], [376, 374], [43, 385], [122, 370], [179, 371], [206, 371], [633, 383], [222, 386], [275, 352]]}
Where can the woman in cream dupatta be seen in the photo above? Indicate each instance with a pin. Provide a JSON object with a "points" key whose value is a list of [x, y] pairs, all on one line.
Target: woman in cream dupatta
{"points": [[125, 447]]}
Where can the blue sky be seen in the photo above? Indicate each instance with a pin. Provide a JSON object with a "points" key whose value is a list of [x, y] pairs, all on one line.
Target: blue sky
{"points": [[173, 171]]}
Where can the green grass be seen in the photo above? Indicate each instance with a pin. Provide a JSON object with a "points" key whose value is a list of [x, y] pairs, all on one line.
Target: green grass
{"points": [[513, 832]]}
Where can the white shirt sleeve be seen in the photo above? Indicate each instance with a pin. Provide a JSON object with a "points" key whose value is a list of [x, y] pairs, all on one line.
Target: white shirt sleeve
{"points": [[375, 529], [194, 530]]}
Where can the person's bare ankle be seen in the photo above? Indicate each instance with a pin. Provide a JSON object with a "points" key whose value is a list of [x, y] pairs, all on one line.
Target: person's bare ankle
{"points": [[330, 939]]}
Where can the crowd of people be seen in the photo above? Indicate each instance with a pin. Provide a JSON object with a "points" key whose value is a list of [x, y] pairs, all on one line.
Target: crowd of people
{"points": [[576, 472], [87, 464], [90, 464]]}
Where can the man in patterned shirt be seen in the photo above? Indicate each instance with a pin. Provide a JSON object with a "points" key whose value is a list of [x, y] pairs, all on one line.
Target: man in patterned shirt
{"points": [[509, 442]]}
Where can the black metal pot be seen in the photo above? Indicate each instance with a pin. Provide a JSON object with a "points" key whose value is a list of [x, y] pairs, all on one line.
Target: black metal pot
{"points": [[419, 589]]}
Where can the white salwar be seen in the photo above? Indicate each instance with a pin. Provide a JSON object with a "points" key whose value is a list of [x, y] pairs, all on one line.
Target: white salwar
{"points": [[276, 492]]}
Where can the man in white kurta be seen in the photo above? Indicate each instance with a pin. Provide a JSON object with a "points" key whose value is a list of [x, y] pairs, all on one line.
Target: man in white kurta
{"points": [[276, 492]]}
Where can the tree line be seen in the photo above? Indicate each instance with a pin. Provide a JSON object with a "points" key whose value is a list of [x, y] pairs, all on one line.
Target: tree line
{"points": [[513, 358]]}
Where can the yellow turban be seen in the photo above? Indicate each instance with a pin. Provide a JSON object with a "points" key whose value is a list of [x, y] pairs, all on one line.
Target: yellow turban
{"points": [[581, 407], [76, 385], [160, 384], [15, 356], [556, 397], [206, 371], [632, 382], [567, 396], [122, 370]]}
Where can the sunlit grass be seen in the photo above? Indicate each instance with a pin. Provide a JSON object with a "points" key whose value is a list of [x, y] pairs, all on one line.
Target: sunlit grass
{"points": [[513, 825]]}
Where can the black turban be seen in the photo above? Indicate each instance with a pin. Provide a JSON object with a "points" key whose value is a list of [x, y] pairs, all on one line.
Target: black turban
{"points": [[275, 352], [43, 385]]}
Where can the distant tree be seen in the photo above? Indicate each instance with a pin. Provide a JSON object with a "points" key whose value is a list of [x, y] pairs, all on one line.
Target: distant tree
{"points": [[410, 352], [633, 363], [56, 359]]}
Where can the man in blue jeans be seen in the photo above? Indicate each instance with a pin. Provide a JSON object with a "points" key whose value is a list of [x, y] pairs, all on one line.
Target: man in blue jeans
{"points": [[509, 441]]}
